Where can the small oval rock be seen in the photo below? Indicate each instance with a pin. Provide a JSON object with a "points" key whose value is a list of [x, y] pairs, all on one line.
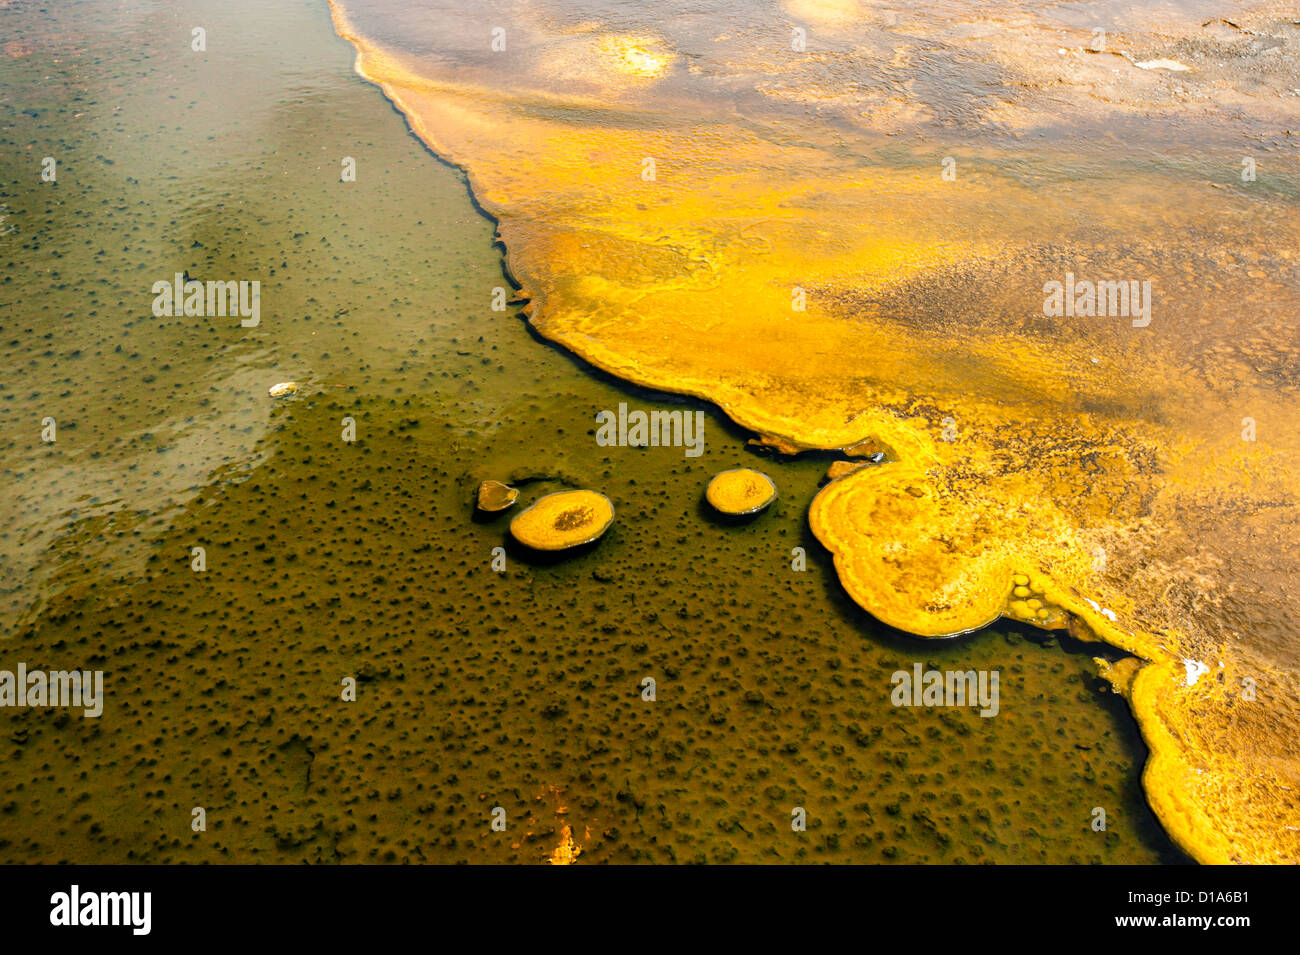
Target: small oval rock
{"points": [[495, 496]]}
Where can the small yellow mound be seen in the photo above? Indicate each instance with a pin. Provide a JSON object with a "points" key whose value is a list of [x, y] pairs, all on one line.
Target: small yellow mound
{"points": [[563, 520], [742, 491], [495, 496]]}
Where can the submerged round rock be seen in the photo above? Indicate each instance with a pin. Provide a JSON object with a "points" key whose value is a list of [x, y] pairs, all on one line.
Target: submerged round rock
{"points": [[495, 496], [742, 491], [563, 520]]}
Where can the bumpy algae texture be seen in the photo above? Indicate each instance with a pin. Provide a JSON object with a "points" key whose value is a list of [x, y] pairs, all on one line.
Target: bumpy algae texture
{"points": [[852, 242]]}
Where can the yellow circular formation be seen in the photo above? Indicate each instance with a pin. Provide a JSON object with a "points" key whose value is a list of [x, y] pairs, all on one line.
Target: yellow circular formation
{"points": [[742, 491], [563, 520]]}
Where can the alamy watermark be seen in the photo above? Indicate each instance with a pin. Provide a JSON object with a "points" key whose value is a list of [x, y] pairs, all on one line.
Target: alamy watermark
{"points": [[924, 687], [76, 688], [655, 429], [75, 907], [186, 296], [1109, 298]]}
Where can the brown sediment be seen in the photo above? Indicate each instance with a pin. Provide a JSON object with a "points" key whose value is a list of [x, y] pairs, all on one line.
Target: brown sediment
{"points": [[1096, 464]]}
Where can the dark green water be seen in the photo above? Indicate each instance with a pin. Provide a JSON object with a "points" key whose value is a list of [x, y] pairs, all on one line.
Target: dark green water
{"points": [[329, 559]]}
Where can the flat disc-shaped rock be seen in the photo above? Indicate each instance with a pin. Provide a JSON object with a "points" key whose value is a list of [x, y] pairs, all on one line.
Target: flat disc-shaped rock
{"points": [[563, 520], [495, 496], [742, 491]]}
